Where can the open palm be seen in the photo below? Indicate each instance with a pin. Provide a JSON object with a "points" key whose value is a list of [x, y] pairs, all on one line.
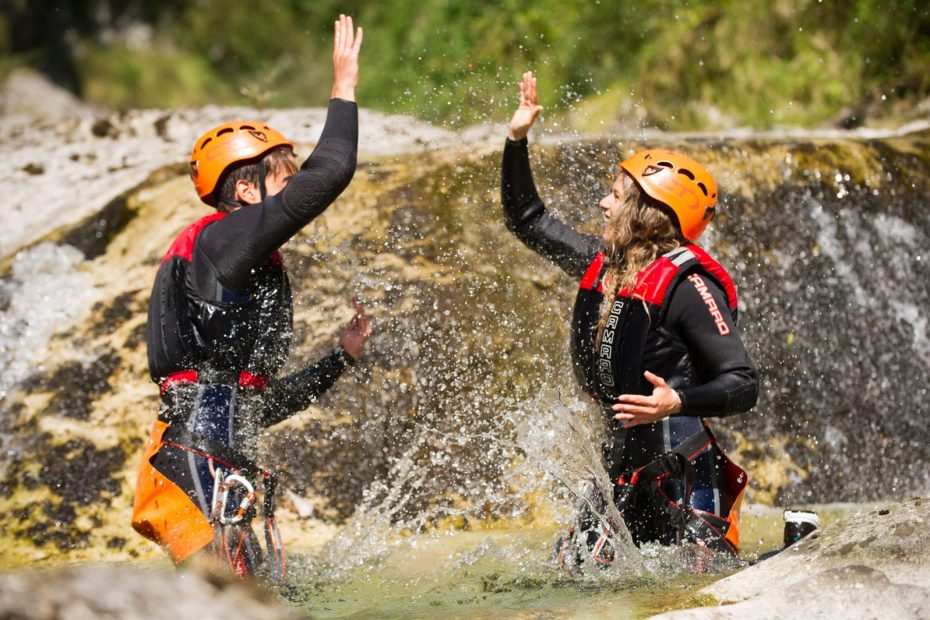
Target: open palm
{"points": [[528, 110]]}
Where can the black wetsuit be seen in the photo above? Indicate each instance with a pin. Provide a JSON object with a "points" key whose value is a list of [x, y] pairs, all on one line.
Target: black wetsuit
{"points": [[220, 322], [711, 371]]}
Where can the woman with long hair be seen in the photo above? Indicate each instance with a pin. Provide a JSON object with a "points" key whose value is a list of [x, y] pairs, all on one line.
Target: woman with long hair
{"points": [[654, 339]]}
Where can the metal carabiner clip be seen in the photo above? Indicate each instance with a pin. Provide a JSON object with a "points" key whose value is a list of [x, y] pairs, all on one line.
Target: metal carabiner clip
{"points": [[221, 498]]}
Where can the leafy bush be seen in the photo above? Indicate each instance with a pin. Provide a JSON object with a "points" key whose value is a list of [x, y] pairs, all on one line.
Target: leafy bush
{"points": [[666, 63]]}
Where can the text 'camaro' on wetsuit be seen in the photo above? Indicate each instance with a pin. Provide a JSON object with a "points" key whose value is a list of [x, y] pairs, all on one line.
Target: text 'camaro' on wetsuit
{"points": [[694, 346], [220, 322]]}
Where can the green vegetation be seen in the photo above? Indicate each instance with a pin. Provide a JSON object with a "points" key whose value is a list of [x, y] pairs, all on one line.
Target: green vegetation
{"points": [[666, 63]]}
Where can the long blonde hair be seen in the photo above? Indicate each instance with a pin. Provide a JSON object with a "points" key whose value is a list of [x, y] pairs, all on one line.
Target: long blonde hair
{"points": [[639, 232]]}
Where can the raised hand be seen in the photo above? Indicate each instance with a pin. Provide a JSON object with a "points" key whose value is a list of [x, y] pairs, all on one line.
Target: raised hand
{"points": [[355, 334], [346, 47], [528, 110]]}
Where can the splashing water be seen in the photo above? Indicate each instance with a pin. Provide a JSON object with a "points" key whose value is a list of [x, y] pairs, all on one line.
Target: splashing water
{"points": [[44, 294], [384, 564]]}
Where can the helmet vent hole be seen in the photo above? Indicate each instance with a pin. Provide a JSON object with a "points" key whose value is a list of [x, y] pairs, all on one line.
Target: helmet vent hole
{"points": [[224, 130], [246, 128], [687, 173], [204, 144], [665, 164], [703, 187]]}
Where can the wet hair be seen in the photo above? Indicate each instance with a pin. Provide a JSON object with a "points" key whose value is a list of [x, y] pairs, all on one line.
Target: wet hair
{"points": [[640, 231], [276, 161]]}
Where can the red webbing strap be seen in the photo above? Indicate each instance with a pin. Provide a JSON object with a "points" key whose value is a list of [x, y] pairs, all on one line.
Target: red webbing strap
{"points": [[246, 380], [593, 272], [688, 449], [176, 378]]}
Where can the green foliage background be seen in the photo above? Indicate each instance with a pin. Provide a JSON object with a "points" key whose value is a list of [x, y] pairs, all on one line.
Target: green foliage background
{"points": [[671, 64]]}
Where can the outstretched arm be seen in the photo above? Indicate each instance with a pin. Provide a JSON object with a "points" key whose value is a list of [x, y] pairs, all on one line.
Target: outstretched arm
{"points": [[524, 212], [331, 166], [294, 393], [229, 249]]}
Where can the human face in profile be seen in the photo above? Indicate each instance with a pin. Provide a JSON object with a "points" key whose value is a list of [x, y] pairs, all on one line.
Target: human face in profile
{"points": [[610, 203]]}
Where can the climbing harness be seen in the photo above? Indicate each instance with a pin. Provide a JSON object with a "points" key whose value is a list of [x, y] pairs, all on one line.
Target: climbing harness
{"points": [[686, 521], [233, 504], [592, 532]]}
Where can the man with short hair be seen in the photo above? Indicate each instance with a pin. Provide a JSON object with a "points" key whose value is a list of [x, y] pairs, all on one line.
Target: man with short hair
{"points": [[220, 320]]}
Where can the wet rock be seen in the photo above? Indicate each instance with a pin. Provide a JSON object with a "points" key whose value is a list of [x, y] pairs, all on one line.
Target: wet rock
{"points": [[110, 154], [871, 566], [106, 591], [75, 386]]}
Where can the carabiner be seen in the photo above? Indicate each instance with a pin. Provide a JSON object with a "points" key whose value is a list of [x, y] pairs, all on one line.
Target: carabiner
{"points": [[221, 498], [244, 505]]}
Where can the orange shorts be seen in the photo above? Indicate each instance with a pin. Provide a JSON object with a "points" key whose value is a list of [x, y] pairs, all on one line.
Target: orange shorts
{"points": [[163, 512]]}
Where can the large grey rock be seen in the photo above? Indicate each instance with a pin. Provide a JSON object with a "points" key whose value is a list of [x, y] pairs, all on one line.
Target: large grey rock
{"points": [[90, 592], [872, 566], [62, 168]]}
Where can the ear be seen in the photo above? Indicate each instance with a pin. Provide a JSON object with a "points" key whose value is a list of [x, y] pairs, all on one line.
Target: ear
{"points": [[247, 192]]}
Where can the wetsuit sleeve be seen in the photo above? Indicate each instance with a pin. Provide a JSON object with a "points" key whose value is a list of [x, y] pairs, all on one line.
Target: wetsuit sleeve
{"points": [[292, 394], [229, 249], [729, 381], [527, 217]]}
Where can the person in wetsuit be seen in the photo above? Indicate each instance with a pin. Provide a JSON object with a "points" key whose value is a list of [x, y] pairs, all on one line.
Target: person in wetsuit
{"points": [[654, 335], [219, 328]]}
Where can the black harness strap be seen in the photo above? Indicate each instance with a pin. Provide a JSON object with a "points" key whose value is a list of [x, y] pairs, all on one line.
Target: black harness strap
{"points": [[674, 462], [185, 439]]}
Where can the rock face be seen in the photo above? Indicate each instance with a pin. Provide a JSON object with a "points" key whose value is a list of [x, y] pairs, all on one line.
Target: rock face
{"points": [[67, 161], [90, 592], [826, 237], [873, 566]]}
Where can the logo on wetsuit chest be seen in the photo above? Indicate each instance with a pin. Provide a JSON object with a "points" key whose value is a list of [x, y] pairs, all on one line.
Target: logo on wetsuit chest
{"points": [[701, 287], [605, 368]]}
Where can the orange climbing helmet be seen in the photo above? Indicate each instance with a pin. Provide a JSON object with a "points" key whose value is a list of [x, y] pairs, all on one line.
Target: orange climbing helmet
{"points": [[678, 182], [226, 145]]}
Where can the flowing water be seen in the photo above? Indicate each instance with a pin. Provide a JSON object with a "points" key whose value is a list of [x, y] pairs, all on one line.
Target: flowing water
{"points": [[483, 574], [504, 572]]}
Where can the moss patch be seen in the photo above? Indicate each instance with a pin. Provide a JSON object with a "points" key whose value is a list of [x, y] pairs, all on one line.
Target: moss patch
{"points": [[75, 386], [78, 471]]}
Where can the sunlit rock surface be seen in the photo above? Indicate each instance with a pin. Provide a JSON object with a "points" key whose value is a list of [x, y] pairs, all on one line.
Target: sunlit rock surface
{"points": [[456, 412], [128, 592], [873, 566]]}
